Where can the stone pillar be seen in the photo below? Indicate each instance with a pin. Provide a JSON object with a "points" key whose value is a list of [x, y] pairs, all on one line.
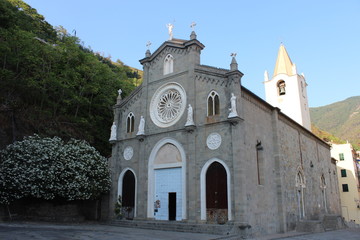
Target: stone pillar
{"points": [[278, 175], [238, 181], [192, 180], [142, 184]]}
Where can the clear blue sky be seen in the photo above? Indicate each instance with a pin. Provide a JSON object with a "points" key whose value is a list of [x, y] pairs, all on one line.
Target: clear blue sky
{"points": [[322, 37]]}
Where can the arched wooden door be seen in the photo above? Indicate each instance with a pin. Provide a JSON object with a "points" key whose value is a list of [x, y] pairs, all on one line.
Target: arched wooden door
{"points": [[128, 194], [216, 194]]}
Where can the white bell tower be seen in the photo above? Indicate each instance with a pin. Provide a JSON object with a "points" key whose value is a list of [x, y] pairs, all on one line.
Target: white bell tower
{"points": [[287, 90]]}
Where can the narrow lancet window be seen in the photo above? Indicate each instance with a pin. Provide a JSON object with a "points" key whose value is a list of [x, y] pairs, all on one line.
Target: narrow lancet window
{"points": [[260, 162], [300, 185], [130, 121], [213, 104], [168, 64]]}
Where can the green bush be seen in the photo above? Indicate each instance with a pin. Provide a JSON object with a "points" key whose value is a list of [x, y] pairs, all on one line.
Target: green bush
{"points": [[49, 168]]}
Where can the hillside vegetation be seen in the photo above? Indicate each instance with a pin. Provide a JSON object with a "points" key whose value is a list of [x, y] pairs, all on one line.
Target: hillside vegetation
{"points": [[327, 137], [341, 119], [50, 84]]}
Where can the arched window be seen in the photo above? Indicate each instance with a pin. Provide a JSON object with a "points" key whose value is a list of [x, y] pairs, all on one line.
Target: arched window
{"points": [[130, 121], [323, 190], [300, 186], [168, 64], [281, 87], [213, 104], [260, 162]]}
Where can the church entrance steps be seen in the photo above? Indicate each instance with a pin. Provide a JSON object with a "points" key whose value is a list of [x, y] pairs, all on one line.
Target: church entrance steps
{"points": [[178, 226], [333, 222], [329, 223], [314, 226]]}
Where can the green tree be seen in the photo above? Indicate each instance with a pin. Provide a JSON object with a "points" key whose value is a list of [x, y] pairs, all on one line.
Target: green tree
{"points": [[53, 85], [49, 168]]}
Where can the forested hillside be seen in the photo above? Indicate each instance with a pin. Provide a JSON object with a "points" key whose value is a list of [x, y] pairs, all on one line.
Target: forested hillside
{"points": [[341, 119], [327, 137], [51, 84]]}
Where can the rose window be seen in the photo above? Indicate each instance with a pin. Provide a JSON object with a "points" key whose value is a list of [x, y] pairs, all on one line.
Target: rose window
{"points": [[167, 104]]}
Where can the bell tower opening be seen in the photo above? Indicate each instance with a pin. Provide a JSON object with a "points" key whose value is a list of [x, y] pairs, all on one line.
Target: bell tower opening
{"points": [[281, 87]]}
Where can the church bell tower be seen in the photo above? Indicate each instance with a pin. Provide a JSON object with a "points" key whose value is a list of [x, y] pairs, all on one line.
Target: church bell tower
{"points": [[287, 90]]}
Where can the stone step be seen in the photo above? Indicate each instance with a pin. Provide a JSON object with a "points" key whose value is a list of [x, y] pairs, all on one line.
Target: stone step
{"points": [[329, 223], [313, 226], [178, 226], [333, 222]]}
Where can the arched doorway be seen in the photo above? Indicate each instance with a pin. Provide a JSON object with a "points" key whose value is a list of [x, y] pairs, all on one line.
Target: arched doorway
{"points": [[167, 181], [215, 192], [128, 194], [127, 191]]}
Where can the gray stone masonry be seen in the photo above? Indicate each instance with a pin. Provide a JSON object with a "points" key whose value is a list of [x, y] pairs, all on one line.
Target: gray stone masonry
{"points": [[263, 151]]}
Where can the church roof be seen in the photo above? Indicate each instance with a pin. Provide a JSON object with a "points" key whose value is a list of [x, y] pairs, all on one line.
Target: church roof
{"points": [[173, 43], [283, 63]]}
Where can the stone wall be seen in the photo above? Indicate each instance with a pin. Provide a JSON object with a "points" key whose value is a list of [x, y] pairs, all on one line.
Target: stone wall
{"points": [[3, 214], [261, 198], [262, 151], [59, 211], [287, 148], [303, 152]]}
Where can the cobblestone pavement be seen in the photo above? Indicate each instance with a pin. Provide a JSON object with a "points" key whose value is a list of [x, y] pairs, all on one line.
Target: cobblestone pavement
{"points": [[47, 231], [346, 234]]}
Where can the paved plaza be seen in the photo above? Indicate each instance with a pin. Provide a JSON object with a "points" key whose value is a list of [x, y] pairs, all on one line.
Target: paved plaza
{"points": [[49, 231]]}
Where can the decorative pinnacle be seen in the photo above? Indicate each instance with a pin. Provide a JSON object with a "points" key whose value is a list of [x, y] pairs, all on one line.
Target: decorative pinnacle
{"points": [[233, 65]]}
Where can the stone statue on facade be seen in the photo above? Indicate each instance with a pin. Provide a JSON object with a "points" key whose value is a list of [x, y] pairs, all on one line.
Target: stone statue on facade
{"points": [[170, 30], [118, 100], [190, 117], [233, 112], [141, 130], [113, 132]]}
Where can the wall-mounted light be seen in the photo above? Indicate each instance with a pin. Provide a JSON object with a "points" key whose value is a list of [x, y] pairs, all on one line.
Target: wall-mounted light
{"points": [[259, 147]]}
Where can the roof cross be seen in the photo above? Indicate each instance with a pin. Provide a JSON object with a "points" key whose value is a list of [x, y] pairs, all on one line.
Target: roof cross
{"points": [[148, 44], [193, 24]]}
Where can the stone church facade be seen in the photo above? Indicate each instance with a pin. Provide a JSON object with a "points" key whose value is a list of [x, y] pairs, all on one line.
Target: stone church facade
{"points": [[191, 144]]}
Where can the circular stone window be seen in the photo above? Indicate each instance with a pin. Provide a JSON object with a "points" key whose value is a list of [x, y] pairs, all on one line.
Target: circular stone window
{"points": [[167, 105]]}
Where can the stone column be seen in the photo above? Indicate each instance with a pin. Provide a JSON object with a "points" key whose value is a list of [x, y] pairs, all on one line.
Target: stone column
{"points": [[142, 184], [278, 175], [192, 179]]}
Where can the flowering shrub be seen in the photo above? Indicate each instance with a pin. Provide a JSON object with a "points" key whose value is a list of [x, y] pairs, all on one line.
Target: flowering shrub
{"points": [[48, 168], [118, 207]]}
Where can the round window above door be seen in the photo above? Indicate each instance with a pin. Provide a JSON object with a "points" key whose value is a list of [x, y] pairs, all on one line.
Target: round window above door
{"points": [[168, 104]]}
